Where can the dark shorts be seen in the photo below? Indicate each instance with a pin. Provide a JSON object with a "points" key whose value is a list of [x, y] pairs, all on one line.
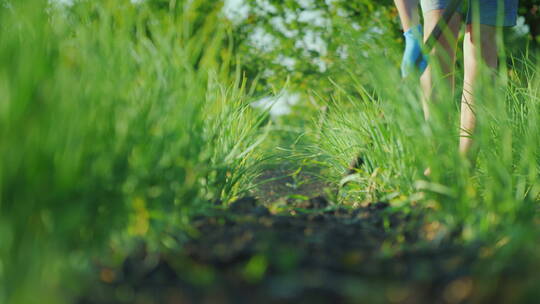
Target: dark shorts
{"points": [[488, 12]]}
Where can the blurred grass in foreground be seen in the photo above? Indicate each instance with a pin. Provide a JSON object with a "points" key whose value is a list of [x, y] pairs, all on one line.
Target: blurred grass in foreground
{"points": [[115, 118]]}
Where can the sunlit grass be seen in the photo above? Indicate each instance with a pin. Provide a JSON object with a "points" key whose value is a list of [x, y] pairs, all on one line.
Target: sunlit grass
{"points": [[491, 195]]}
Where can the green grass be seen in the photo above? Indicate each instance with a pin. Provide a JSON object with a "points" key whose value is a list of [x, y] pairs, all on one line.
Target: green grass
{"points": [[491, 198], [116, 120], [383, 121], [121, 122]]}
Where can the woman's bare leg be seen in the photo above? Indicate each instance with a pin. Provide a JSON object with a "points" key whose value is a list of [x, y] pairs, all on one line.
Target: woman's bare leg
{"points": [[444, 54], [476, 51], [408, 13]]}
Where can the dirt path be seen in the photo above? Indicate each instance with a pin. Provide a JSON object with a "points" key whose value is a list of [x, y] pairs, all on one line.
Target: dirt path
{"points": [[281, 185], [304, 251]]}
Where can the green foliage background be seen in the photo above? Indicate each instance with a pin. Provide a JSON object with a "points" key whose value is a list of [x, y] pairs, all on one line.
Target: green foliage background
{"points": [[348, 30]]}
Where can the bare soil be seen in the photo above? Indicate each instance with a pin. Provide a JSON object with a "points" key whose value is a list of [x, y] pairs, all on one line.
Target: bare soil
{"points": [[310, 251]]}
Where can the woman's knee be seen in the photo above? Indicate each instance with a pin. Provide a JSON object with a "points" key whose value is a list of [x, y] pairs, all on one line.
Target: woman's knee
{"points": [[480, 44], [432, 17], [446, 47]]}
